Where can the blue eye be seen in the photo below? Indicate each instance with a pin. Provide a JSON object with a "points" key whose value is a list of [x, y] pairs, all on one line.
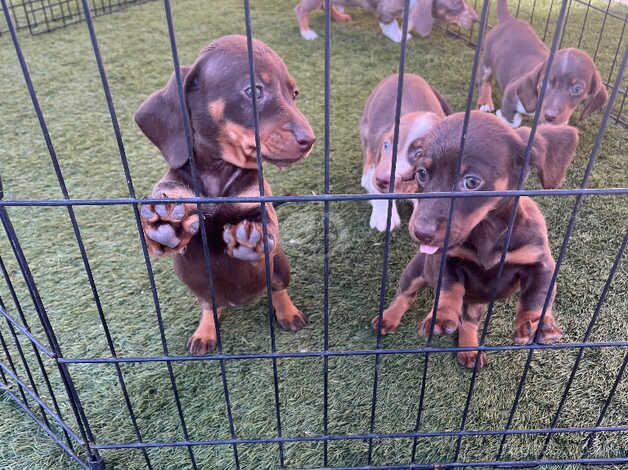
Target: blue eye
{"points": [[576, 89]]}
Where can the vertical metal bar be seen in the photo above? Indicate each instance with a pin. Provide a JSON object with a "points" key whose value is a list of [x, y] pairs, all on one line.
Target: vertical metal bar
{"points": [[594, 317], [391, 188], [203, 229], [547, 20], [40, 363], [620, 42], [326, 150], [5, 348], [584, 24], [599, 37], [562, 34], [260, 180], [563, 248], [609, 398], [463, 137]]}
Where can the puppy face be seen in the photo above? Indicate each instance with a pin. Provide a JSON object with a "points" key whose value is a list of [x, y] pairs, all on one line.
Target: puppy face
{"points": [[572, 80], [457, 12], [492, 160], [411, 127], [218, 97]]}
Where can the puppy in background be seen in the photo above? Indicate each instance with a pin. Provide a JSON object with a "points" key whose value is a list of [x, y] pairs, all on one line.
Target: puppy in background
{"points": [[517, 58], [421, 107], [492, 161], [422, 14], [218, 99]]}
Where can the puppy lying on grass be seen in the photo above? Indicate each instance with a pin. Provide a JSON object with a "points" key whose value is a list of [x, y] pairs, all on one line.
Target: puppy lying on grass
{"points": [[492, 161]]}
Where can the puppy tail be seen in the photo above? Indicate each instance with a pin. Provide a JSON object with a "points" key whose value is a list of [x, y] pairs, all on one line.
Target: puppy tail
{"points": [[443, 102], [503, 13]]}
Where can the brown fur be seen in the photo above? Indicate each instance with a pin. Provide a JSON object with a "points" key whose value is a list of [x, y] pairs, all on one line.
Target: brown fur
{"points": [[517, 58], [493, 154], [218, 101]]}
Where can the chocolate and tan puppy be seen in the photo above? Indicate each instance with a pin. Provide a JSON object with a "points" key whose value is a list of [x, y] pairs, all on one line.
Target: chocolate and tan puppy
{"points": [[218, 99], [422, 14], [517, 58], [492, 161], [422, 106]]}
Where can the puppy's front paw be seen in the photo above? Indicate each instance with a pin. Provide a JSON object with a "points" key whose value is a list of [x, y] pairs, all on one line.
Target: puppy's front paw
{"points": [[467, 359], [168, 228], [309, 34], [516, 120], [525, 331], [244, 241], [388, 325], [445, 324], [292, 321], [486, 106]]}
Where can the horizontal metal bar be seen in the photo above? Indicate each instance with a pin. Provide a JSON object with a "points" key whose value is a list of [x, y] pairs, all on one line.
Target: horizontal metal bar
{"points": [[43, 427], [317, 197], [40, 402], [604, 12], [357, 352], [354, 437], [493, 464], [27, 333]]}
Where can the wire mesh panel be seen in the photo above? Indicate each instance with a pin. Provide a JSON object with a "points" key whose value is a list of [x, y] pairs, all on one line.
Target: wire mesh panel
{"points": [[91, 324]]}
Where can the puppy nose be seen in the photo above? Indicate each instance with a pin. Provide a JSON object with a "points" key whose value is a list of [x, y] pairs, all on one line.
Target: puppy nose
{"points": [[425, 233], [382, 182], [304, 138], [550, 116]]}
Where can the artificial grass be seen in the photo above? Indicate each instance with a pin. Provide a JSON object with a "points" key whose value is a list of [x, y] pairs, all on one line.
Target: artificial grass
{"points": [[137, 58]]}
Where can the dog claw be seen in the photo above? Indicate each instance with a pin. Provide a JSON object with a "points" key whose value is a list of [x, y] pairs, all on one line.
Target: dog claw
{"points": [[241, 232], [294, 324], [467, 359], [146, 212], [178, 212], [168, 228]]}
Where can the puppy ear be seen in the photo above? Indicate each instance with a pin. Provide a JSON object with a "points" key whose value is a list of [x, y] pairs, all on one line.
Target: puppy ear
{"points": [[597, 96], [527, 88], [553, 150], [421, 16], [159, 117]]}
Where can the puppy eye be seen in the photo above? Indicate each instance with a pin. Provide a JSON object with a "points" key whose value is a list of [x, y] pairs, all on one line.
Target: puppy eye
{"points": [[195, 82], [295, 93], [416, 153], [576, 90], [471, 182], [386, 146], [259, 92], [421, 175]]}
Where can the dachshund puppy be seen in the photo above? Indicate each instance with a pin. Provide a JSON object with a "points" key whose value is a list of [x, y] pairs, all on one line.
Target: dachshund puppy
{"points": [[422, 14], [517, 57], [218, 100], [492, 161], [421, 107]]}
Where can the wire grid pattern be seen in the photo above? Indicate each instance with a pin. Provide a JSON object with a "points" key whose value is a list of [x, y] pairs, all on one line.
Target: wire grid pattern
{"points": [[74, 433], [44, 16]]}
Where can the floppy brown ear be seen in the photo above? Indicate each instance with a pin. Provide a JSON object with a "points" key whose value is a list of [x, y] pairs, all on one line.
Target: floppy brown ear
{"points": [[553, 150], [527, 88], [159, 117], [422, 18], [597, 97]]}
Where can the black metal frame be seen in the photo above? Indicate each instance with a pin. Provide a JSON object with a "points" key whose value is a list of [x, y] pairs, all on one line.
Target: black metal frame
{"points": [[77, 440], [44, 16]]}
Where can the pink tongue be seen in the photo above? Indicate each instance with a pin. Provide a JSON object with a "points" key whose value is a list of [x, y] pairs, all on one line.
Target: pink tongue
{"points": [[428, 249]]}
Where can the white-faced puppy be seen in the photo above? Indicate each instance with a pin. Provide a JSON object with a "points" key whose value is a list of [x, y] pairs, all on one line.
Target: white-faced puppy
{"points": [[517, 58], [492, 160], [422, 14], [421, 107]]}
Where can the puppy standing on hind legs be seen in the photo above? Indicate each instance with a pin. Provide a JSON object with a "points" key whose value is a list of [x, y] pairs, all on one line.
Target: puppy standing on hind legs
{"points": [[218, 98], [492, 161]]}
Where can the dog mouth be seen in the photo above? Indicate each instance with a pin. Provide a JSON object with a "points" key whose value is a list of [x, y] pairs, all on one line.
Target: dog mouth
{"points": [[428, 249]]}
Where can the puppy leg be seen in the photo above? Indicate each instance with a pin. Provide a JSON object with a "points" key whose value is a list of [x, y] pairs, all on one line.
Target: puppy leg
{"points": [[288, 315], [410, 283], [302, 12], [509, 111], [380, 206], [203, 341], [338, 13], [534, 289], [448, 313], [485, 98], [468, 335], [392, 30]]}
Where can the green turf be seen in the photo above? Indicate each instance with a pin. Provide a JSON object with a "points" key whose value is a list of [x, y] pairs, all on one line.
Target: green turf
{"points": [[137, 57]]}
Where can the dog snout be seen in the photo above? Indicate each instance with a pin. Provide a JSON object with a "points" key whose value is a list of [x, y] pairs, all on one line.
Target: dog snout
{"points": [[382, 181], [425, 231], [550, 116], [305, 138]]}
